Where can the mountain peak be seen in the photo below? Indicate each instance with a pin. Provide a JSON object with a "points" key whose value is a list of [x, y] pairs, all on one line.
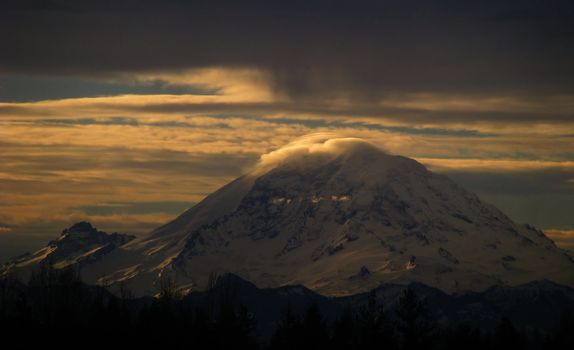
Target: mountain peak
{"points": [[323, 210], [339, 216], [80, 227], [78, 245], [319, 209]]}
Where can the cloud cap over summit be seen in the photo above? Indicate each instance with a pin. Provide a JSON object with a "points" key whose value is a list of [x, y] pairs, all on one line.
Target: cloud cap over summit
{"points": [[317, 147]]}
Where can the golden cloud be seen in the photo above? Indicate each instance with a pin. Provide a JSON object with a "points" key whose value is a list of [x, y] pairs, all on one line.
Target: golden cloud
{"points": [[562, 238], [495, 165]]}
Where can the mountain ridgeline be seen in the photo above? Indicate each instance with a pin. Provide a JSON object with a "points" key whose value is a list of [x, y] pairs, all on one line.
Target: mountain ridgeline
{"points": [[79, 245]]}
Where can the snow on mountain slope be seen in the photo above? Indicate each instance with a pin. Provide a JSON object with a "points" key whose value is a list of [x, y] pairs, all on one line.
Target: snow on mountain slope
{"points": [[339, 216], [78, 245]]}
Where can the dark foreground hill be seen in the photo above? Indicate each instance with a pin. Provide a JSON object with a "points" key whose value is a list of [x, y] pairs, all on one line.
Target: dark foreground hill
{"points": [[56, 306]]}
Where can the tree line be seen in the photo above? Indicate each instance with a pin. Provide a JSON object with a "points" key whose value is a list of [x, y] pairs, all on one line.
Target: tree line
{"points": [[54, 308]]}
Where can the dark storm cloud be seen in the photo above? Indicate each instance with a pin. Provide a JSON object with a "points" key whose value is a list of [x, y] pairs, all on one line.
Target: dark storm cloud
{"points": [[310, 48]]}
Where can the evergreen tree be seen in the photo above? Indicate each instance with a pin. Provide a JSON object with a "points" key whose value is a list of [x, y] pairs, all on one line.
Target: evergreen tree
{"points": [[314, 328], [345, 332], [463, 337], [413, 321], [564, 335], [372, 325], [288, 334], [506, 336]]}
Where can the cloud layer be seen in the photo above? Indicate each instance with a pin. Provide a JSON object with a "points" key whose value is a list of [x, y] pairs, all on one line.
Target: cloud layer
{"points": [[307, 49]]}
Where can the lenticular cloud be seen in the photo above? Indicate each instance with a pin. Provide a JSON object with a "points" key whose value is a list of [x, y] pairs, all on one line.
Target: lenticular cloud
{"points": [[313, 147]]}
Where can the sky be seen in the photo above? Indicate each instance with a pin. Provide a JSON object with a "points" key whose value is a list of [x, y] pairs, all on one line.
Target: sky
{"points": [[127, 112]]}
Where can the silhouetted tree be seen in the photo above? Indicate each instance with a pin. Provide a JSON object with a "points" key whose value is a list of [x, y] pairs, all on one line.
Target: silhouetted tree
{"points": [[372, 325], [345, 331], [564, 334], [288, 332], [463, 337], [413, 321], [314, 328], [233, 329], [506, 336], [56, 304], [168, 290]]}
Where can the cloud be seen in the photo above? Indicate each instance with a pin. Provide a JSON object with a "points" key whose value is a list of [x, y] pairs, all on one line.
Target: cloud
{"points": [[317, 146], [541, 197], [562, 238], [107, 209], [494, 165], [439, 114], [307, 50], [18, 88]]}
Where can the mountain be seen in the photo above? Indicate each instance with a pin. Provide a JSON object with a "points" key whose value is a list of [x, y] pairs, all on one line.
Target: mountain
{"points": [[79, 245], [339, 216], [534, 305]]}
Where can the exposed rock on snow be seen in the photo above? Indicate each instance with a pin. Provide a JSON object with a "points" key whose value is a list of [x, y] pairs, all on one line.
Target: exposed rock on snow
{"points": [[78, 245]]}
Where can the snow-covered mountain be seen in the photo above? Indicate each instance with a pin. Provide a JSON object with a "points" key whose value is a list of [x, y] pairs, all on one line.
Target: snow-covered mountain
{"points": [[339, 216], [77, 246]]}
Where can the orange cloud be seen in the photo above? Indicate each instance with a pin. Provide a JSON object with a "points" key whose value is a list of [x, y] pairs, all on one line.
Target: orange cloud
{"points": [[495, 165], [562, 238]]}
